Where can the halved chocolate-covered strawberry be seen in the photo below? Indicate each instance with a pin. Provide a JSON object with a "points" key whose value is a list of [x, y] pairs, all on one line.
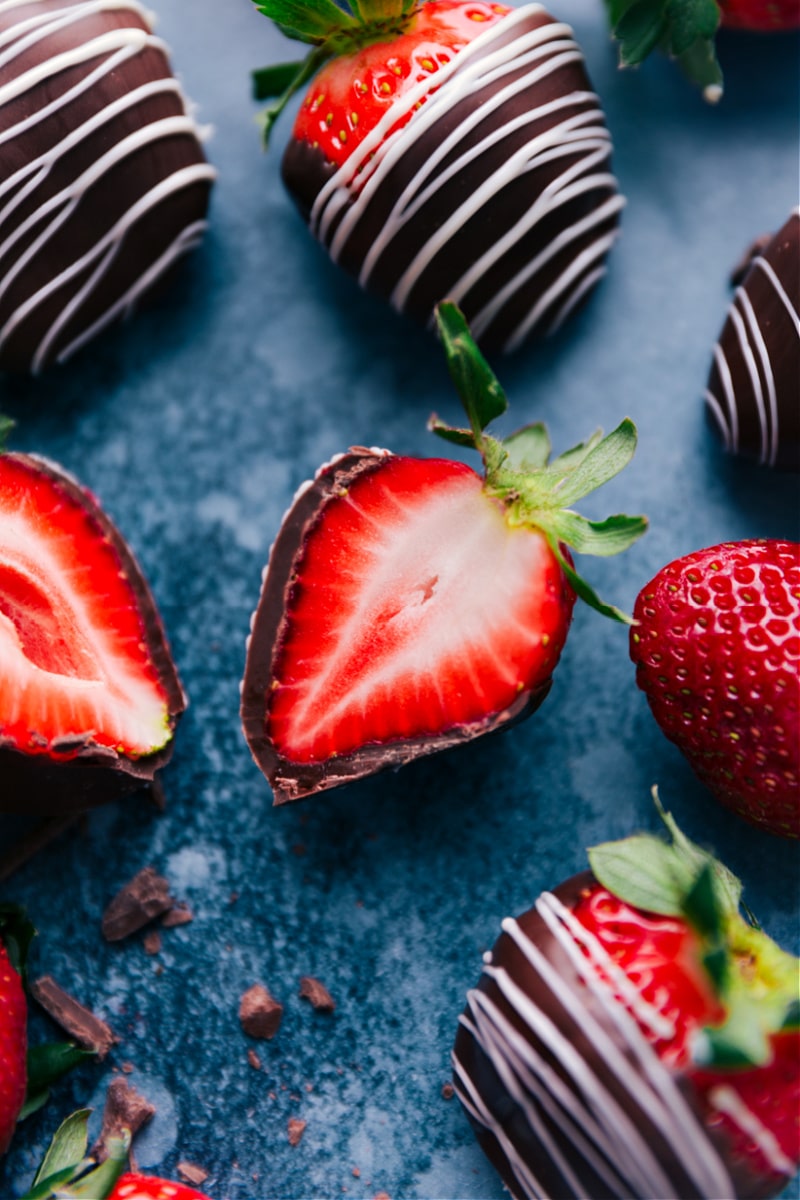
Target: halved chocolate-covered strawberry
{"points": [[89, 695], [412, 604]]}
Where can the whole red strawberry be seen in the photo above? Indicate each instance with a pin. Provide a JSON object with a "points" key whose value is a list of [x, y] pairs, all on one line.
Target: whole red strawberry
{"points": [[633, 1036], [148, 1187], [716, 645], [13, 1037], [411, 604], [763, 16], [89, 696], [449, 149]]}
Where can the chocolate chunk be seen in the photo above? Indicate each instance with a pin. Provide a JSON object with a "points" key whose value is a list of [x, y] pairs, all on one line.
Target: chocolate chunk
{"points": [[135, 905], [124, 1110], [253, 1059], [191, 1173], [88, 1030], [311, 989], [296, 1129], [181, 914], [260, 1014], [152, 942]]}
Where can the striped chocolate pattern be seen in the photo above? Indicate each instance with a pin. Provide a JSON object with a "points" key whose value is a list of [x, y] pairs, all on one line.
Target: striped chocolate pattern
{"points": [[566, 1094], [497, 193], [753, 393], [103, 183]]}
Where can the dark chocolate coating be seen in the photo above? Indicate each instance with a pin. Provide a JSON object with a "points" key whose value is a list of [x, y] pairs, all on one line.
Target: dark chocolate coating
{"points": [[100, 217], [292, 780], [46, 783], [753, 393], [514, 1135], [557, 182]]}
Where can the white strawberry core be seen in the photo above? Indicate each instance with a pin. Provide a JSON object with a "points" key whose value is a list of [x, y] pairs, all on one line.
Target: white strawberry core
{"points": [[418, 610], [69, 664]]}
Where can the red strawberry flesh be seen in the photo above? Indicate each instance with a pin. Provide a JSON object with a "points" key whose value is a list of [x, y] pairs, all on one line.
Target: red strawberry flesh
{"points": [[147, 1187], [86, 672], [352, 93], [415, 616], [13, 1046]]}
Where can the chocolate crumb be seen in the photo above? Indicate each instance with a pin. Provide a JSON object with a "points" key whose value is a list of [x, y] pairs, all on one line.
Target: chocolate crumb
{"points": [[253, 1059], [299, 850], [357, 1172], [382, 1196], [152, 942], [296, 1129], [136, 904], [88, 1030], [448, 1091], [127, 1068], [125, 1109], [191, 1173], [259, 1013], [311, 989], [181, 914]]}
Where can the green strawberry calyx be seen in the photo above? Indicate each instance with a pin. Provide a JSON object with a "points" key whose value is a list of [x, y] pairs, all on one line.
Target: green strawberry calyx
{"points": [[537, 493], [332, 30], [755, 980], [681, 29], [69, 1172]]}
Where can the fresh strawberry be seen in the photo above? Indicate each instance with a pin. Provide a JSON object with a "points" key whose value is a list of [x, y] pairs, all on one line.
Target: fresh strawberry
{"points": [[410, 604], [148, 1187], [13, 1031], [449, 149], [716, 645], [687, 32], [633, 1035], [89, 697]]}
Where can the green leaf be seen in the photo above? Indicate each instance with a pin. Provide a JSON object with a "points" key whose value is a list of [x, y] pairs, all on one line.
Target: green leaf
{"points": [[604, 460], [99, 1183], [740, 1042], [699, 64], [689, 21], [459, 437], [584, 589], [269, 82], [601, 538], [573, 457], [311, 21], [702, 906], [68, 1147], [45, 1065], [51, 1186], [643, 871], [6, 425], [640, 30], [475, 382], [306, 71], [529, 448], [792, 1017]]}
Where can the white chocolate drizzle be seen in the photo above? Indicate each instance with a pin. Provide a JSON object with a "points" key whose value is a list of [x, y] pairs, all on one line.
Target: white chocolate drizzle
{"points": [[343, 204], [753, 336], [557, 1090], [102, 56]]}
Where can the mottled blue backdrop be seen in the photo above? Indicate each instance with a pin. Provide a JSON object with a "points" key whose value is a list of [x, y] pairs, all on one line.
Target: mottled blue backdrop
{"points": [[195, 424]]}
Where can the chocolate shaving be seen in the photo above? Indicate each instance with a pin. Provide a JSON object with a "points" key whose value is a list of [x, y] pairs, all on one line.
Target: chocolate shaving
{"points": [[253, 1059], [191, 1173], [152, 942], [448, 1091], [87, 1030], [311, 989], [125, 1110], [296, 1128], [181, 914], [259, 1012], [135, 905]]}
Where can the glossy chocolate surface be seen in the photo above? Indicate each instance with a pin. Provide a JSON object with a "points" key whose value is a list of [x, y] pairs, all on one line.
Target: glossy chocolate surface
{"points": [[753, 393], [103, 182]]}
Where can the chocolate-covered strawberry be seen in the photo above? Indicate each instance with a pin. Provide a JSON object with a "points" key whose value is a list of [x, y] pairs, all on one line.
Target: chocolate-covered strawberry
{"points": [[412, 604], [633, 1036], [717, 651], [450, 149], [753, 392], [14, 935], [89, 695]]}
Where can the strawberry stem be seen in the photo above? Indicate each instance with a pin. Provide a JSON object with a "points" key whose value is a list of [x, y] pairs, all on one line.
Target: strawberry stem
{"points": [[684, 31], [517, 471]]}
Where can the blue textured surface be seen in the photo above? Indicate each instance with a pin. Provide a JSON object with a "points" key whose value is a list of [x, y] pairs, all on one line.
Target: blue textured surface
{"points": [[195, 424]]}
